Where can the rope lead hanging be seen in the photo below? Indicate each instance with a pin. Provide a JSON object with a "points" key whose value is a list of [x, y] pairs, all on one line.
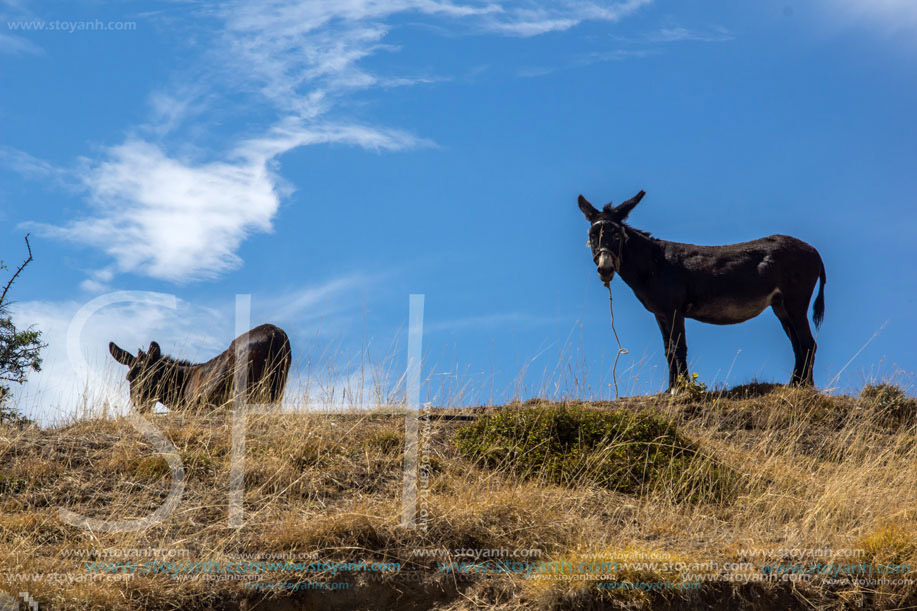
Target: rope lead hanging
{"points": [[621, 350]]}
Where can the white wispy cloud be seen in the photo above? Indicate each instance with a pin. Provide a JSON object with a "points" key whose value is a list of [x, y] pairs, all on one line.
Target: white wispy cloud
{"points": [[300, 55], [18, 45], [533, 23], [176, 220], [171, 219], [25, 164], [36, 169], [679, 33], [314, 303], [173, 106], [11, 13], [534, 19], [161, 211]]}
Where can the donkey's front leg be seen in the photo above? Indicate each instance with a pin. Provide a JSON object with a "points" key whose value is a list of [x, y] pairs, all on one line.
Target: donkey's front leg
{"points": [[672, 328]]}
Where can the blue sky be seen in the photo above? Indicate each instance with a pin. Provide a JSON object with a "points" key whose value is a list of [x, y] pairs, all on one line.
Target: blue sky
{"points": [[332, 158]]}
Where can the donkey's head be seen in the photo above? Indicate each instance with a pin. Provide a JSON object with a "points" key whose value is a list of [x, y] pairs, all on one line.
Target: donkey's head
{"points": [[607, 233], [146, 374]]}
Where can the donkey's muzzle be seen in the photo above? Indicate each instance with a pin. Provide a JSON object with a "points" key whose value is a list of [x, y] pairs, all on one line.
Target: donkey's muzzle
{"points": [[607, 278], [605, 266]]}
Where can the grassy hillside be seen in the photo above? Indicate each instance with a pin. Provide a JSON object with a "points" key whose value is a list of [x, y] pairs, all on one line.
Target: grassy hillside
{"points": [[760, 497]]}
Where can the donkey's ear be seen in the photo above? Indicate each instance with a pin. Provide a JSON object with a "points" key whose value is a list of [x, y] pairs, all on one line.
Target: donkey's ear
{"points": [[154, 352], [623, 209], [588, 209], [122, 356]]}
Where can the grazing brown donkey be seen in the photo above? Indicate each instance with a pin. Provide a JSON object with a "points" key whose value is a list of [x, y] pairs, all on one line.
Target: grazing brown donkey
{"points": [[181, 384], [722, 285]]}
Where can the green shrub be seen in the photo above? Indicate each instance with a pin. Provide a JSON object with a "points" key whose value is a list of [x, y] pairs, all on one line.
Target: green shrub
{"points": [[619, 450], [883, 394], [890, 401]]}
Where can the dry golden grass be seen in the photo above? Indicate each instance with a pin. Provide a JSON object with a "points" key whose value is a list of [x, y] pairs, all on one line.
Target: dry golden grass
{"points": [[815, 472]]}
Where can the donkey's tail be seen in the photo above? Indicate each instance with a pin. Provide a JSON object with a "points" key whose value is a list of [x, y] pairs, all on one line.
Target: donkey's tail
{"points": [[818, 308]]}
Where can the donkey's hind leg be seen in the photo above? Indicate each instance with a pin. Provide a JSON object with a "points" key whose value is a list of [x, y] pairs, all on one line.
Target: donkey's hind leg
{"points": [[807, 345], [797, 329], [784, 317]]}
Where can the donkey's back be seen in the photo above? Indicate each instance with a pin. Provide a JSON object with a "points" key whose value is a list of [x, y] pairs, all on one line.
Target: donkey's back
{"points": [[734, 282], [267, 351]]}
